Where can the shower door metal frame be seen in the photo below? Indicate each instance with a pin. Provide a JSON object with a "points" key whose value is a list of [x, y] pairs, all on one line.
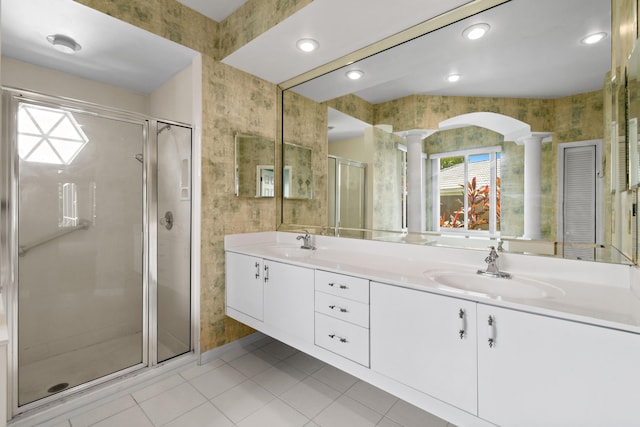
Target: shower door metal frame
{"points": [[338, 189], [9, 192]]}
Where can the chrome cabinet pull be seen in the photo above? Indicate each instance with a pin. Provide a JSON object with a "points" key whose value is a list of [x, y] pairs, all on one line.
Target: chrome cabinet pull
{"points": [[257, 269], [342, 310], [332, 284], [461, 324], [266, 273], [341, 339], [491, 332]]}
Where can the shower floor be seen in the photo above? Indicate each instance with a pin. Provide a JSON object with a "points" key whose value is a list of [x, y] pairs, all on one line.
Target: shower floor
{"points": [[79, 366]]}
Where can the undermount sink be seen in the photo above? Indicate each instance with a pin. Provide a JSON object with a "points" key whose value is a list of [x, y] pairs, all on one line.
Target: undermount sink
{"points": [[517, 287], [290, 252]]}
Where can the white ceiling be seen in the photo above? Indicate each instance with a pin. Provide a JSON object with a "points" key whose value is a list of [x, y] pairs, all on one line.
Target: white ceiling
{"points": [[113, 51], [510, 61], [339, 26], [533, 50], [217, 10]]}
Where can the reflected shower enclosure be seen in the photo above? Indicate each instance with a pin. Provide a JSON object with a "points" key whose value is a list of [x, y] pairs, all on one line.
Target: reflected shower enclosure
{"points": [[346, 196], [99, 277]]}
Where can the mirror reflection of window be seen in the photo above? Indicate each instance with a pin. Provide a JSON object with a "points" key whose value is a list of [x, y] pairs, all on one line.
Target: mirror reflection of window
{"points": [[468, 191], [68, 197], [265, 183]]}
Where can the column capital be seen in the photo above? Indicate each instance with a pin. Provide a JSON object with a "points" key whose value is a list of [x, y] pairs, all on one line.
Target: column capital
{"points": [[416, 133], [534, 137]]}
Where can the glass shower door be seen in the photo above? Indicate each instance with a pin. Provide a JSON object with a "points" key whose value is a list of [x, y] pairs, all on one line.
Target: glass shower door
{"points": [[174, 241], [80, 248]]}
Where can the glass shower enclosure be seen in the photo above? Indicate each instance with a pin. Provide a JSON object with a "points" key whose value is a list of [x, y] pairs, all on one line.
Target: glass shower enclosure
{"points": [[96, 220]]}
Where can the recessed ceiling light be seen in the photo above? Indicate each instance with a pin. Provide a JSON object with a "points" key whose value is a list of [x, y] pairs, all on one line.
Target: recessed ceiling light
{"points": [[593, 38], [354, 74], [476, 31], [307, 45], [64, 43], [452, 78]]}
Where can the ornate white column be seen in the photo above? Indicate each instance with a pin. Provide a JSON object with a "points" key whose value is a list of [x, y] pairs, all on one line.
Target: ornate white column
{"points": [[533, 184], [416, 204]]}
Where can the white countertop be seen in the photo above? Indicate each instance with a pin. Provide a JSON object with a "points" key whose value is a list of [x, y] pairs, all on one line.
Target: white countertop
{"points": [[595, 293]]}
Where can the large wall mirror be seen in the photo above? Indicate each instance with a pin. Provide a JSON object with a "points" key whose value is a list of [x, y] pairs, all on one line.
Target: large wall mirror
{"points": [[507, 136]]}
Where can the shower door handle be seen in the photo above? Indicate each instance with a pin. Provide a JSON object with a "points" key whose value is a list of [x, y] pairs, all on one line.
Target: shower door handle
{"points": [[167, 220]]}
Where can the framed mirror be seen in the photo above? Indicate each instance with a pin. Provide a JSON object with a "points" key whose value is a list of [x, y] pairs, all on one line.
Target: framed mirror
{"points": [[297, 172], [533, 68], [255, 170]]}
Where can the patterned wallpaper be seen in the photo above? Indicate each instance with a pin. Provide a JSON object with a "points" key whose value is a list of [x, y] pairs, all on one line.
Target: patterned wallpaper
{"points": [[306, 126], [387, 181]]}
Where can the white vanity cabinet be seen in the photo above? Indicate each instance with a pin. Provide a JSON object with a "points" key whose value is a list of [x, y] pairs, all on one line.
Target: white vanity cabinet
{"points": [[342, 315], [543, 371], [425, 341], [288, 300], [245, 284], [279, 295]]}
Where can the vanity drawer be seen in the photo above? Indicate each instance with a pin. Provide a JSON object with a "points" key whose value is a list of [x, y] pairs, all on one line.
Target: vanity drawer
{"points": [[350, 287], [343, 338], [343, 308]]}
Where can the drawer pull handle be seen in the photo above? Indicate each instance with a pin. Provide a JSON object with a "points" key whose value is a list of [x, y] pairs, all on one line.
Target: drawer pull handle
{"points": [[332, 284], [461, 324], [342, 310], [491, 332], [257, 270], [266, 274], [341, 339]]}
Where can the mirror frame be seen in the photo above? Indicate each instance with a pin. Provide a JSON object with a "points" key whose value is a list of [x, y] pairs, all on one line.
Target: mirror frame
{"points": [[463, 12]]}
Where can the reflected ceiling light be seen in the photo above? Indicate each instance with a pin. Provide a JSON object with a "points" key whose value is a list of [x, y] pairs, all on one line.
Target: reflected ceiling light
{"points": [[64, 43], [452, 78], [307, 45], [355, 74], [476, 31], [593, 38]]}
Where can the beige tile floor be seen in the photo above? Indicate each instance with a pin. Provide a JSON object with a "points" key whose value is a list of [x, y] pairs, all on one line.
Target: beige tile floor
{"points": [[265, 384]]}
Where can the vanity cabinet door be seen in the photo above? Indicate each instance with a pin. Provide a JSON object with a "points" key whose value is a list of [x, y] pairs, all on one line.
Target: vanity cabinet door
{"points": [[244, 286], [425, 341], [288, 300], [540, 371]]}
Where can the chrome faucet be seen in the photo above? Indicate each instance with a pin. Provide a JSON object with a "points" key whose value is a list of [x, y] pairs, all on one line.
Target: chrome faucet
{"points": [[492, 266], [306, 241]]}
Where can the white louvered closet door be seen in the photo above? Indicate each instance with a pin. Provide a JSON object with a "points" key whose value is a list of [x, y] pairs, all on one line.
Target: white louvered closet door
{"points": [[579, 207]]}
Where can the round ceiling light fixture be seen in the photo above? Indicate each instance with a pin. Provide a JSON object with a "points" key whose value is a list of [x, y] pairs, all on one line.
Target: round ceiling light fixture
{"points": [[64, 43], [593, 38], [452, 78], [354, 74], [476, 31], [307, 45]]}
